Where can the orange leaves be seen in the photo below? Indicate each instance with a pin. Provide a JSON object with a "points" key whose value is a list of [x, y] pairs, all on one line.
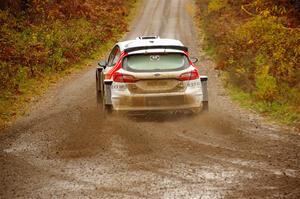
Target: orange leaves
{"points": [[245, 44], [52, 34]]}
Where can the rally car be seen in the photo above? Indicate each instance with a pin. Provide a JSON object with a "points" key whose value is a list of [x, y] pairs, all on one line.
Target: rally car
{"points": [[150, 73]]}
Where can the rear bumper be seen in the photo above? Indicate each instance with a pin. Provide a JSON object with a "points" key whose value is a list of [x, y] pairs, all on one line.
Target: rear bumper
{"points": [[175, 101]]}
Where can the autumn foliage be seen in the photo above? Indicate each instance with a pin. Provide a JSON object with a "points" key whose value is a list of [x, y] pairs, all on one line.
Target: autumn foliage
{"points": [[258, 43], [39, 37]]}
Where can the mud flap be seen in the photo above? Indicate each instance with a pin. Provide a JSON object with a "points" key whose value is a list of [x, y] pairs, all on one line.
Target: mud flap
{"points": [[204, 80], [107, 92], [107, 102]]}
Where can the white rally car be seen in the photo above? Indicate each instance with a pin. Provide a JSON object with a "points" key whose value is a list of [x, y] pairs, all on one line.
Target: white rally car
{"points": [[150, 73]]}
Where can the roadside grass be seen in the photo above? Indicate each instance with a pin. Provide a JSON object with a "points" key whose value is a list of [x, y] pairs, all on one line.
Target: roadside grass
{"points": [[15, 104], [273, 111]]}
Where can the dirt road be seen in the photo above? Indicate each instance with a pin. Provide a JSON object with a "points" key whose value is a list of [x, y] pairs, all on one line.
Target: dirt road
{"points": [[64, 149]]}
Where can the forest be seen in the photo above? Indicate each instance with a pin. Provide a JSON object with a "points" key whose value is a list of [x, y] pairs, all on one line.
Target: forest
{"points": [[44, 37], [257, 44]]}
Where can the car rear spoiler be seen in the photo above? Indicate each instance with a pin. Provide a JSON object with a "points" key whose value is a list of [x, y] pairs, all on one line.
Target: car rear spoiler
{"points": [[183, 48]]}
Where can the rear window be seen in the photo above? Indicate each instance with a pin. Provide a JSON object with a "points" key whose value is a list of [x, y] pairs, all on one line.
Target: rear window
{"points": [[155, 62]]}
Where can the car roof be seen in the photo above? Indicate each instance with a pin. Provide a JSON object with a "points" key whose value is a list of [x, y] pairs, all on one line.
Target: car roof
{"points": [[152, 42]]}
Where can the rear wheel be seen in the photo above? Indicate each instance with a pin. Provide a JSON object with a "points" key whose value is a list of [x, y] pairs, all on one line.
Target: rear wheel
{"points": [[205, 106], [202, 109], [107, 108], [98, 90], [196, 111], [98, 97]]}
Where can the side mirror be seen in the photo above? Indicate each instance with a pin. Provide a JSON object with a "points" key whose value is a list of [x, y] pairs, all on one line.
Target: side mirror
{"points": [[194, 60], [102, 64]]}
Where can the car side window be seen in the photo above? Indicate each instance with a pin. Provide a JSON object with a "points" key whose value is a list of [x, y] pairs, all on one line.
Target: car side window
{"points": [[114, 56], [117, 57]]}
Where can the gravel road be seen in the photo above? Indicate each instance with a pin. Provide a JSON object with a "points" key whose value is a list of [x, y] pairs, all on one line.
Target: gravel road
{"points": [[63, 148]]}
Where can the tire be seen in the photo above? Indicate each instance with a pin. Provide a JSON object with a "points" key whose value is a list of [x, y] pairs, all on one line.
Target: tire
{"points": [[107, 110], [101, 85], [98, 90], [196, 111], [205, 107], [99, 98], [97, 81]]}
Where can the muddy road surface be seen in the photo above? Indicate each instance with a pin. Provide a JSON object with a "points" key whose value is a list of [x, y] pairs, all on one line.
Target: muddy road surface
{"points": [[63, 148]]}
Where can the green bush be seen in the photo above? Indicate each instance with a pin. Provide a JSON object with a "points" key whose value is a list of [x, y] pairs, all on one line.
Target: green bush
{"points": [[258, 43], [216, 5]]}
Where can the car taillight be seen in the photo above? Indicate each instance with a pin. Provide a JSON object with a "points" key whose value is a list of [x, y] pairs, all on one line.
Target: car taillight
{"points": [[119, 77], [189, 75]]}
